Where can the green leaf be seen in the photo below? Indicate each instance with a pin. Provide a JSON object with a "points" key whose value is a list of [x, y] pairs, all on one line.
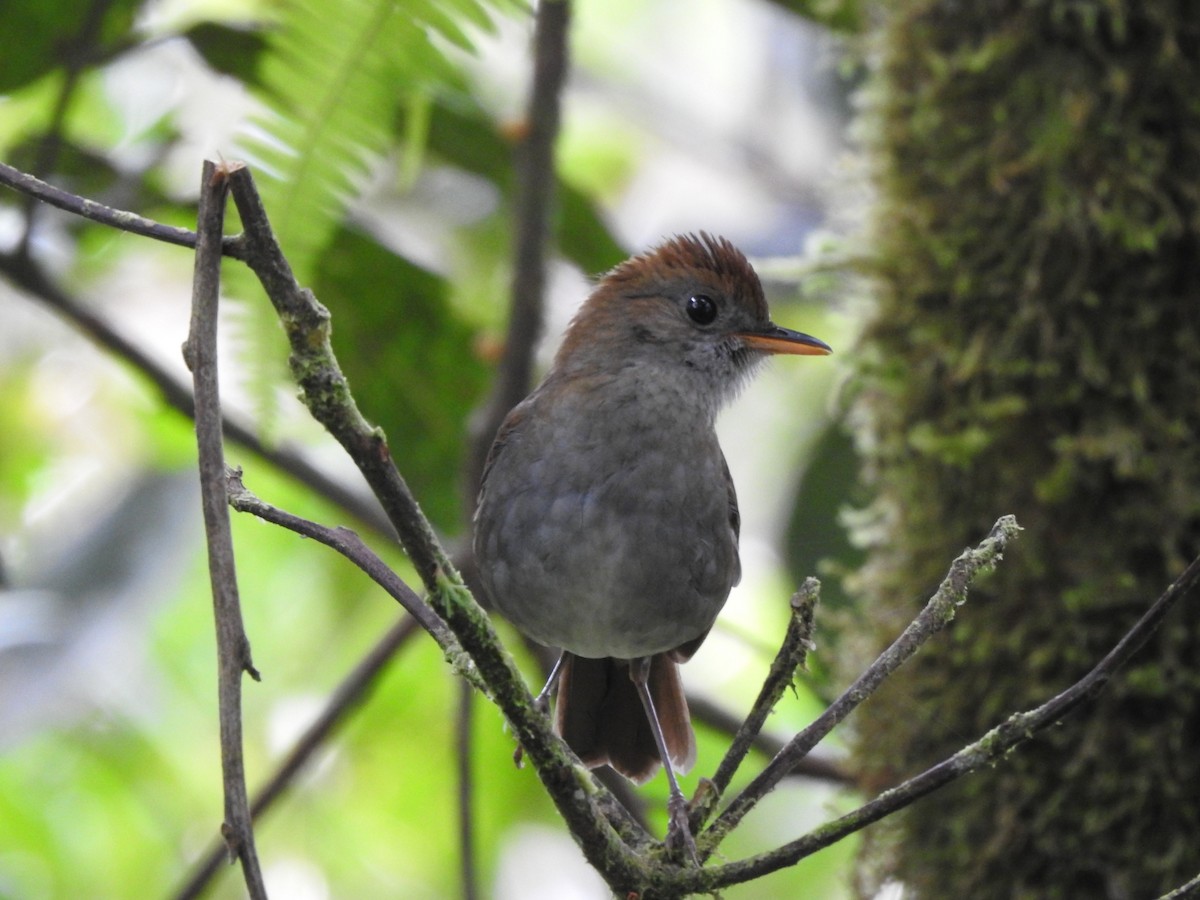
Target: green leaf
{"points": [[845, 16], [462, 134], [45, 36], [229, 50]]}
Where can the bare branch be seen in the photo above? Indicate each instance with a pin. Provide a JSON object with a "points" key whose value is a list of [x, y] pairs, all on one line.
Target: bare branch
{"points": [[344, 699], [105, 215], [351, 546], [796, 643], [936, 615], [468, 865], [708, 714], [1187, 891], [233, 648]]}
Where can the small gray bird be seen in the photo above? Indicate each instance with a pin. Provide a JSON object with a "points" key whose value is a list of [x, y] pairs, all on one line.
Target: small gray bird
{"points": [[607, 522]]}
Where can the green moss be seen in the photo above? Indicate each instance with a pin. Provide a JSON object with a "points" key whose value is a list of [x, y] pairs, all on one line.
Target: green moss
{"points": [[1037, 351]]}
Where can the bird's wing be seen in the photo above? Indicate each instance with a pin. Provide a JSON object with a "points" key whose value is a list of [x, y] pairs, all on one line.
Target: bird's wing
{"points": [[512, 422], [685, 651], [735, 520]]}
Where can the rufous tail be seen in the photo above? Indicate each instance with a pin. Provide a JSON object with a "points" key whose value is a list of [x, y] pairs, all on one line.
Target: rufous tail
{"points": [[601, 718]]}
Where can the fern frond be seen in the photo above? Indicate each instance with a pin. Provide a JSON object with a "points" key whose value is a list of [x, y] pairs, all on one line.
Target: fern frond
{"points": [[332, 85]]}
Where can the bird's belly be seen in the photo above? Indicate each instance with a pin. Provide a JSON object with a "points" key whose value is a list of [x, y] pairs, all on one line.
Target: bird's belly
{"points": [[612, 571]]}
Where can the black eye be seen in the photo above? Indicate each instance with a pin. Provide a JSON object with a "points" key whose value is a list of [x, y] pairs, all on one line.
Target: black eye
{"points": [[701, 309]]}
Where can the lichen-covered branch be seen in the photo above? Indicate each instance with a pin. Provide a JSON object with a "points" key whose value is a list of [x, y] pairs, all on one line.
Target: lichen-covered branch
{"points": [[938, 612], [593, 818], [987, 750]]}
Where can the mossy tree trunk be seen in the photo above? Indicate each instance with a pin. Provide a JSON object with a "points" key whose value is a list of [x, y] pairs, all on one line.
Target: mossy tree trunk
{"points": [[1036, 351]]}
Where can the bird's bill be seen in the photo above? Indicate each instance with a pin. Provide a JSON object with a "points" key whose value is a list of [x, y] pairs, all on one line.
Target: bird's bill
{"points": [[775, 339]]}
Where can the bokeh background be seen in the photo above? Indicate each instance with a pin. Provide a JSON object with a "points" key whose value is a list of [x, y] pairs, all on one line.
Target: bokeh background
{"points": [[382, 139]]}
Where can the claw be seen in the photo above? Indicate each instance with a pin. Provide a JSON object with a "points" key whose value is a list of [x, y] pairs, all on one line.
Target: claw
{"points": [[679, 832]]}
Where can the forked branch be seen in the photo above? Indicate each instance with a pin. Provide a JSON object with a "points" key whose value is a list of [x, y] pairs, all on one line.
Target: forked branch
{"points": [[614, 844]]}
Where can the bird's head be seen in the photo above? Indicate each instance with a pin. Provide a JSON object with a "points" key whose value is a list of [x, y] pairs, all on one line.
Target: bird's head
{"points": [[690, 312]]}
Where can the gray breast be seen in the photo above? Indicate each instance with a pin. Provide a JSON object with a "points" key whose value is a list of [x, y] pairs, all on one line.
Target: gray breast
{"points": [[605, 542]]}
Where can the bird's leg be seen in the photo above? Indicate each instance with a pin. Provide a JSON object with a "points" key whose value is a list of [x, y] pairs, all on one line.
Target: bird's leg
{"points": [[678, 831], [542, 701]]}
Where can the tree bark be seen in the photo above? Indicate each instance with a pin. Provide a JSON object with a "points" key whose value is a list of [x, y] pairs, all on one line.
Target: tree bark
{"points": [[1036, 351]]}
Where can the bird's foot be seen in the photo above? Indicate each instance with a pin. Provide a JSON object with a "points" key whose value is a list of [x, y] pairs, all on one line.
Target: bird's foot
{"points": [[542, 701], [679, 832]]}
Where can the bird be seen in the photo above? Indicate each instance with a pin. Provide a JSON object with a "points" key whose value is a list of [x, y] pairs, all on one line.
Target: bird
{"points": [[607, 522]]}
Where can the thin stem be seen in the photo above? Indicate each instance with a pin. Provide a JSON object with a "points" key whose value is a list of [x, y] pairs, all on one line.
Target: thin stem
{"points": [[797, 642], [105, 215], [351, 546], [707, 714], [1184, 891], [233, 648], [936, 615], [466, 794]]}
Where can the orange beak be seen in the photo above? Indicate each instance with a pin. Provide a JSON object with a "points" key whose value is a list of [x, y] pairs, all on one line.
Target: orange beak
{"points": [[774, 339]]}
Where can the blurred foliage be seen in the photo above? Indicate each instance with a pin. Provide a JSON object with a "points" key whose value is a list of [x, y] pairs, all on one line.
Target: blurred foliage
{"points": [[837, 15], [54, 37], [408, 356], [333, 78], [1036, 353], [350, 104]]}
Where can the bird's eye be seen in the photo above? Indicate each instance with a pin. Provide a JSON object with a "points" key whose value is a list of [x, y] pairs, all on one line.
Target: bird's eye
{"points": [[701, 309]]}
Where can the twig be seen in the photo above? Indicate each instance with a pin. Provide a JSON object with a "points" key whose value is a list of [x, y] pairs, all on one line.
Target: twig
{"points": [[797, 642], [1184, 891], [233, 648], [345, 698], [105, 215], [531, 206], [466, 794], [575, 792], [351, 546], [936, 615], [708, 714], [989, 748]]}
